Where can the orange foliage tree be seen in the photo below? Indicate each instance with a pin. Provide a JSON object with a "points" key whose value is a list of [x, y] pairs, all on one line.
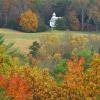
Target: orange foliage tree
{"points": [[92, 78], [29, 21], [16, 87], [74, 21], [75, 71], [42, 84], [73, 80], [80, 83]]}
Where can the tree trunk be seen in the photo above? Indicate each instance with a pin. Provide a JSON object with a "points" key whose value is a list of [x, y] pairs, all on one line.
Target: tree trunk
{"points": [[96, 26], [82, 20], [6, 20], [88, 24]]}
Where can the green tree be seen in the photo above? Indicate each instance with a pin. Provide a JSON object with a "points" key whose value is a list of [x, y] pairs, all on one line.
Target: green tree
{"points": [[61, 24], [34, 48], [59, 71], [8, 48]]}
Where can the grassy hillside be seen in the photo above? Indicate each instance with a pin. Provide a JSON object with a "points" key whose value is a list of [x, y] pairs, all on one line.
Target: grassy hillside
{"points": [[24, 40]]}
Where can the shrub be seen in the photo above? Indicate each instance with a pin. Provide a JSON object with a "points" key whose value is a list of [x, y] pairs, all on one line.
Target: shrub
{"points": [[49, 54], [18, 88], [61, 24], [74, 21], [42, 26], [2, 94], [94, 42], [29, 21], [8, 48], [13, 24], [67, 55], [7, 54], [22, 58], [42, 84], [59, 71], [34, 48], [70, 42], [87, 54]]}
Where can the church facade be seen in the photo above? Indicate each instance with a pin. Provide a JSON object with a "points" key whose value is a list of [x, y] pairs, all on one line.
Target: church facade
{"points": [[53, 20]]}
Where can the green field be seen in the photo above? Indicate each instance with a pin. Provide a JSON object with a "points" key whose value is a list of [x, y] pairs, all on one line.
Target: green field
{"points": [[24, 40]]}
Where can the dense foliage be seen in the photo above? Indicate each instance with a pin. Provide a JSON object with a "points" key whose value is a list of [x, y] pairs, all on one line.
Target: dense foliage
{"points": [[29, 21], [61, 24], [68, 80], [82, 14], [34, 49], [27, 83]]}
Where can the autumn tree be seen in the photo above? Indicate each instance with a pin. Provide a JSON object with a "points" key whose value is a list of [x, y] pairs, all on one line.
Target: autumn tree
{"points": [[81, 7], [18, 88], [94, 13], [73, 20], [29, 21], [44, 7], [34, 48], [6, 8]]}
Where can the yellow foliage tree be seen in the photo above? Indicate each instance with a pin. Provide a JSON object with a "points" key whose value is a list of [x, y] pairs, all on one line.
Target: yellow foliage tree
{"points": [[29, 21]]}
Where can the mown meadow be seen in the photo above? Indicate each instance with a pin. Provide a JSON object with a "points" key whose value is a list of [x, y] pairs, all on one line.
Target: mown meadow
{"points": [[23, 40]]}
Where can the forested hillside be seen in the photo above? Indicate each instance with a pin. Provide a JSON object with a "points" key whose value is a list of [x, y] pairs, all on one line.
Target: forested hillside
{"points": [[78, 14]]}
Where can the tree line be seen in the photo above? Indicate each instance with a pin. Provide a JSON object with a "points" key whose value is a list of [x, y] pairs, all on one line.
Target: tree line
{"points": [[80, 14]]}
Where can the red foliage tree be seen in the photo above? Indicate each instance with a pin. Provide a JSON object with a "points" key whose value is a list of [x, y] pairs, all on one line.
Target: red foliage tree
{"points": [[18, 88]]}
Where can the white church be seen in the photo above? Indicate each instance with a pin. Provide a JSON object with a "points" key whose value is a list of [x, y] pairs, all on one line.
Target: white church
{"points": [[53, 20]]}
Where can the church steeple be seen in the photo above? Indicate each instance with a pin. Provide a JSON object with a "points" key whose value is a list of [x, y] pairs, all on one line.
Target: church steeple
{"points": [[53, 20], [54, 14]]}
